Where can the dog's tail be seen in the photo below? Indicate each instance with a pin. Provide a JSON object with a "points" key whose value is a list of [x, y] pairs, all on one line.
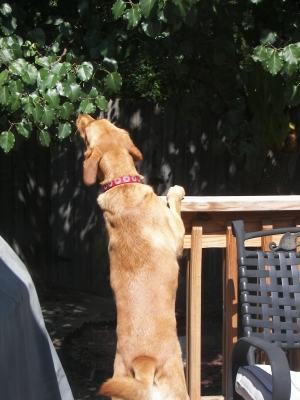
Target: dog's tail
{"points": [[137, 388]]}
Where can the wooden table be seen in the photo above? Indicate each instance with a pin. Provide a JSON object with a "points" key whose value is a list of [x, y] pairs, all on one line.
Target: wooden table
{"points": [[207, 222]]}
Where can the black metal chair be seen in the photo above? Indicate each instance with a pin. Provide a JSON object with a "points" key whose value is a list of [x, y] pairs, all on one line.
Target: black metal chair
{"points": [[269, 285]]}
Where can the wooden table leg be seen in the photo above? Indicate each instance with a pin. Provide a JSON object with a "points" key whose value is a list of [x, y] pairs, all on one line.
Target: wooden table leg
{"points": [[230, 313], [193, 334]]}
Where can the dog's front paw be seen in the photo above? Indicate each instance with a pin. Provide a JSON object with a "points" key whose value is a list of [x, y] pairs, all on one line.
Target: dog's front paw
{"points": [[176, 191]]}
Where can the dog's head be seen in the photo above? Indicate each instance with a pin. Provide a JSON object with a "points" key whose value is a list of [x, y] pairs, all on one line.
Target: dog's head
{"points": [[102, 137]]}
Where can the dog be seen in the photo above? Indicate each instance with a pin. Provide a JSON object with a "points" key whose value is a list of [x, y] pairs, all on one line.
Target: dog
{"points": [[145, 240]]}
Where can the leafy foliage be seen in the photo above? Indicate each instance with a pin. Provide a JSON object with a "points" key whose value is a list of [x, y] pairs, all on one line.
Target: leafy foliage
{"points": [[240, 60]]}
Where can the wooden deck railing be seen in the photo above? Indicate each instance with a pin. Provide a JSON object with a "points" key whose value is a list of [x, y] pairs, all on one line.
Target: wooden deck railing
{"points": [[207, 222]]}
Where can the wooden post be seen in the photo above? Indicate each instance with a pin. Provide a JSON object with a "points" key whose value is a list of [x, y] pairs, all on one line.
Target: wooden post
{"points": [[230, 314], [265, 240], [194, 316]]}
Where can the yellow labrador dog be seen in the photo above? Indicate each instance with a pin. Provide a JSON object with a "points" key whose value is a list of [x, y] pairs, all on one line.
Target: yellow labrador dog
{"points": [[145, 240]]}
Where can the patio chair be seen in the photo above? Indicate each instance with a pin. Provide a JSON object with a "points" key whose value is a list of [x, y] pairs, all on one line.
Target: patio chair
{"points": [[269, 285]]}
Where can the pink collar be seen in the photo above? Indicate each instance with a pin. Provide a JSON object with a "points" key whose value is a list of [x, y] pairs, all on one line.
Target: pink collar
{"points": [[120, 181]]}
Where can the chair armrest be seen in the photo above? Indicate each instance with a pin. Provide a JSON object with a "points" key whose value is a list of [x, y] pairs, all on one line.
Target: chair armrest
{"points": [[281, 378]]}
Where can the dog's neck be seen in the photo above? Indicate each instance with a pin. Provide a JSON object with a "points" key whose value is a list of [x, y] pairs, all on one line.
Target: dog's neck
{"points": [[120, 181], [116, 168]]}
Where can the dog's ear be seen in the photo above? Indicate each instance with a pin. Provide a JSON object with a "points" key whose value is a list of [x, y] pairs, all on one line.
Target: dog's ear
{"points": [[132, 149], [92, 158]]}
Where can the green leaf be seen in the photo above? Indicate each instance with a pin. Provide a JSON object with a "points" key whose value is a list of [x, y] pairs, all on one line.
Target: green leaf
{"points": [[7, 55], [16, 86], [41, 78], [102, 103], [291, 53], [110, 64], [64, 130], [45, 61], [260, 53], [65, 29], [8, 25], [118, 9], [148, 7], [60, 88], [55, 47], [27, 104], [18, 67], [30, 75], [72, 91], [7, 141], [86, 107], [35, 97], [71, 78], [52, 97], [14, 39], [5, 9], [38, 36], [151, 28], [273, 63], [105, 48], [191, 17], [92, 93], [48, 115], [61, 69], [183, 6], [24, 128], [17, 51], [37, 112], [66, 110], [289, 69], [133, 16], [4, 95], [3, 76], [44, 138], [15, 102], [85, 71], [113, 82], [267, 36], [50, 80]]}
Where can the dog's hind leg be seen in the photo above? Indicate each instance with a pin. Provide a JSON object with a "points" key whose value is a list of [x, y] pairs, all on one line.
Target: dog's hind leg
{"points": [[171, 384]]}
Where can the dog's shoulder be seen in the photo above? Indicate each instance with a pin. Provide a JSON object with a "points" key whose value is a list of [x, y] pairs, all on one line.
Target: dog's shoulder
{"points": [[130, 195]]}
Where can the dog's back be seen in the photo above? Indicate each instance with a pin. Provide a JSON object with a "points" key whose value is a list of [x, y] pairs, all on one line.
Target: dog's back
{"points": [[144, 274]]}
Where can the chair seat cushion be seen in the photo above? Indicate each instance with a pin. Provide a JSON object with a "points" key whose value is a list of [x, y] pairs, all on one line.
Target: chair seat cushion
{"points": [[255, 383]]}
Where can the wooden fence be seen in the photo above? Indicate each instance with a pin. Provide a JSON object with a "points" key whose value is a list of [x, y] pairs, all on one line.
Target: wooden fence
{"points": [[52, 220]]}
